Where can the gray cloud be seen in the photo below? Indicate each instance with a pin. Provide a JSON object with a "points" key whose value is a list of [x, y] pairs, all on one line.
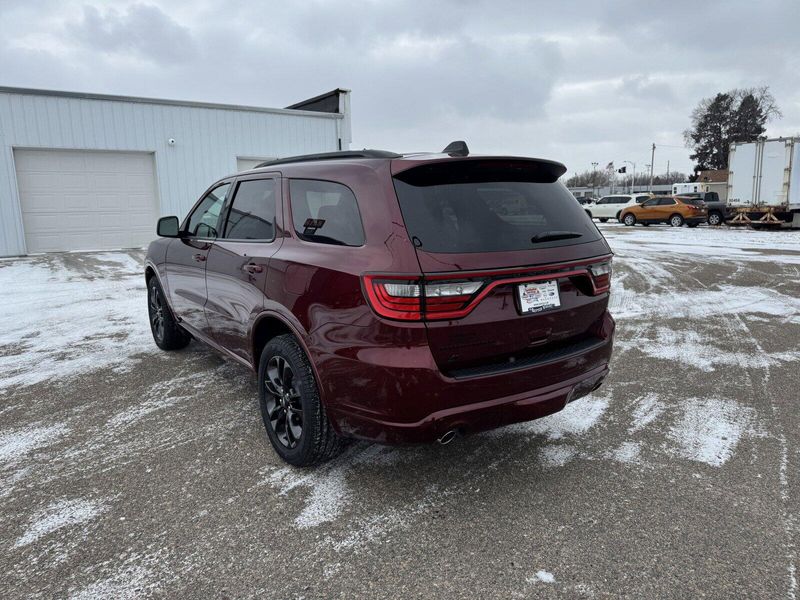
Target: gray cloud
{"points": [[142, 29], [576, 81]]}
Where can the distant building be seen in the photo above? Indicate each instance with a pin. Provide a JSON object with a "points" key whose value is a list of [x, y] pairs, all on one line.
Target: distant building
{"points": [[599, 192], [89, 171], [715, 180]]}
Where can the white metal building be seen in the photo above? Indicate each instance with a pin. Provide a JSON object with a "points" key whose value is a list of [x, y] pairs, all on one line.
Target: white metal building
{"points": [[90, 172]]}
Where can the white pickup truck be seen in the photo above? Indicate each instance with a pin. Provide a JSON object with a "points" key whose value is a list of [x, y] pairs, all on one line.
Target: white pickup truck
{"points": [[609, 207]]}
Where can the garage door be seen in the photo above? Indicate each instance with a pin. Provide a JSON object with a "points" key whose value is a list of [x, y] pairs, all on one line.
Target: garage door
{"points": [[80, 200], [243, 164]]}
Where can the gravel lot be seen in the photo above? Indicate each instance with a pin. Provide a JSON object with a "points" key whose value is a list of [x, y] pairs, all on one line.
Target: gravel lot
{"points": [[128, 472]]}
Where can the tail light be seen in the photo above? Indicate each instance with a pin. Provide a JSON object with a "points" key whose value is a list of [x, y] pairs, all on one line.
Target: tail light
{"points": [[454, 296], [409, 299], [601, 276]]}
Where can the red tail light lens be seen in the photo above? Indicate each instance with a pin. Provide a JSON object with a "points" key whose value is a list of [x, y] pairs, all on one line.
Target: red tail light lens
{"points": [[394, 299], [407, 299]]}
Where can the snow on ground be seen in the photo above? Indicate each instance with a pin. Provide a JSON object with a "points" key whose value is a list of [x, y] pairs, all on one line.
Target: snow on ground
{"points": [[710, 429], [69, 314], [543, 576], [709, 243], [18, 442], [60, 514]]}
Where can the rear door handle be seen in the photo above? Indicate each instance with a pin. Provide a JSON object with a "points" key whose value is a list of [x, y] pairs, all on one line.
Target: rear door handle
{"points": [[252, 268], [200, 257]]}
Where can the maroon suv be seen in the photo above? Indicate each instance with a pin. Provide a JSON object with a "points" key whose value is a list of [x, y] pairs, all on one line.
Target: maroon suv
{"points": [[394, 298]]}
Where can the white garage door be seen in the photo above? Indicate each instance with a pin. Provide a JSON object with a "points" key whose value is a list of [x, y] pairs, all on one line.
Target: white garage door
{"points": [[80, 200], [243, 164]]}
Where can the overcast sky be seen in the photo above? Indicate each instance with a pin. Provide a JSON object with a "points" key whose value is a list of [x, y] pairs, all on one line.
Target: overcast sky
{"points": [[573, 81]]}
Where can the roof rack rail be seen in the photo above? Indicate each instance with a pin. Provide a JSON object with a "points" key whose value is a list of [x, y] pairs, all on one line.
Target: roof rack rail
{"points": [[330, 156]]}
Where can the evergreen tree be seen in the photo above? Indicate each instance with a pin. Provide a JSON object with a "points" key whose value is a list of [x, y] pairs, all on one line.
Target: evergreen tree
{"points": [[739, 115], [749, 120]]}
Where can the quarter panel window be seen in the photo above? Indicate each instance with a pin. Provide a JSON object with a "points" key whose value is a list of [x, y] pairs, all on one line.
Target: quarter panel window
{"points": [[204, 219], [252, 213], [325, 212]]}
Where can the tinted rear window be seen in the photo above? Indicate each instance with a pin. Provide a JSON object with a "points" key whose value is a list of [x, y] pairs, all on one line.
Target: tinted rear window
{"points": [[469, 210]]}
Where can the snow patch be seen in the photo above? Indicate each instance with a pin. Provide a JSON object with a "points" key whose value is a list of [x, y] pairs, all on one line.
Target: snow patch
{"points": [[543, 576], [647, 409], [97, 316], [626, 452], [128, 584], [712, 244], [709, 430], [691, 348], [22, 441], [703, 304], [575, 419], [60, 514], [557, 455]]}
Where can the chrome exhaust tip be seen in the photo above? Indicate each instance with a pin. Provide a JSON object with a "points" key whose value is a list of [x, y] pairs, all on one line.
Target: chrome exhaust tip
{"points": [[448, 437]]}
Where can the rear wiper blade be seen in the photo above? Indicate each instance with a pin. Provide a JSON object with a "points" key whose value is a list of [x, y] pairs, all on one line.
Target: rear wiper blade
{"points": [[550, 236]]}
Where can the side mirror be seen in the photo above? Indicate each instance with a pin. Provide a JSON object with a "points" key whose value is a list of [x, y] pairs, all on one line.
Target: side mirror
{"points": [[168, 227]]}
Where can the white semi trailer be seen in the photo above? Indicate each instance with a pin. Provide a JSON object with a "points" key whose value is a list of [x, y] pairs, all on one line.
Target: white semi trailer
{"points": [[764, 182]]}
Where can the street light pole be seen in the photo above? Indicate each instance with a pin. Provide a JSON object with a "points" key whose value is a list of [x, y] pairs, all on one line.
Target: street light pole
{"points": [[652, 162], [594, 179]]}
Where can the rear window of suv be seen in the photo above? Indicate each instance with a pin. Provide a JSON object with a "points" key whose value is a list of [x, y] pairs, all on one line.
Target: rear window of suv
{"points": [[467, 207]]}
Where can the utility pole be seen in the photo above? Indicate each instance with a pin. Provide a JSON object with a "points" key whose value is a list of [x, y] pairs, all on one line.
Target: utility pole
{"points": [[652, 162], [667, 168], [594, 179]]}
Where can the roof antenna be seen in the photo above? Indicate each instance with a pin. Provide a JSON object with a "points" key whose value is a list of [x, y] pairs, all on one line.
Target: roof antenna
{"points": [[458, 148]]}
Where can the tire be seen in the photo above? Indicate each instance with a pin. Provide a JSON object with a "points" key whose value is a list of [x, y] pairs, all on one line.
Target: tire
{"points": [[167, 334], [676, 221], [603, 219], [293, 414], [715, 218], [629, 219]]}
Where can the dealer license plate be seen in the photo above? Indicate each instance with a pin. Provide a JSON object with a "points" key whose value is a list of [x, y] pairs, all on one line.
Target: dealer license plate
{"points": [[538, 296]]}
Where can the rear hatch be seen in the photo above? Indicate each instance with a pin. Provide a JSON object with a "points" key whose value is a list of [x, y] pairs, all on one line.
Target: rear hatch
{"points": [[514, 271]]}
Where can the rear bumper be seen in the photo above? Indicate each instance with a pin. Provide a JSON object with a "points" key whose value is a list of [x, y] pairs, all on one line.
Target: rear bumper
{"points": [[472, 418], [416, 403]]}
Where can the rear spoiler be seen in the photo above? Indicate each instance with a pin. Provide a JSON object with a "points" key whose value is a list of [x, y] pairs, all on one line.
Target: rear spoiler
{"points": [[476, 169]]}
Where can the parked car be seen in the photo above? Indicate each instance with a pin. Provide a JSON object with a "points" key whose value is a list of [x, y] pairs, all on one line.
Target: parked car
{"points": [[610, 207], [390, 298], [718, 211], [675, 210]]}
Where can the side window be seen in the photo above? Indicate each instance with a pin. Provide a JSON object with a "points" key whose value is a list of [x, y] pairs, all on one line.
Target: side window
{"points": [[204, 219], [252, 214], [603, 201], [651, 202], [666, 202], [640, 199], [712, 197], [325, 212]]}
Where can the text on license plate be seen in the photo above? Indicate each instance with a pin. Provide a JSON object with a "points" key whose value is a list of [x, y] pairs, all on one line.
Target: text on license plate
{"points": [[538, 296]]}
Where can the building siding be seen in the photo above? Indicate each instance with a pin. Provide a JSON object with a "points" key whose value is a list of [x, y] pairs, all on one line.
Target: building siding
{"points": [[208, 140]]}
